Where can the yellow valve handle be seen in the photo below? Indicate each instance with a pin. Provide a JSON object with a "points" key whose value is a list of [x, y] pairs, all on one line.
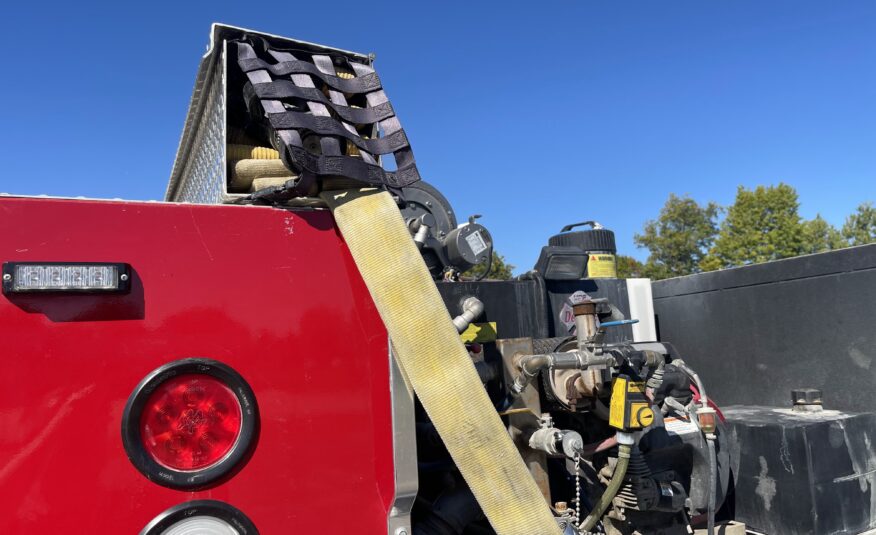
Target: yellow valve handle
{"points": [[429, 350]]}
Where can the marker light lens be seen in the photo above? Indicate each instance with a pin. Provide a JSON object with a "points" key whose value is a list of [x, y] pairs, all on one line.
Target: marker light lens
{"points": [[190, 422], [59, 277]]}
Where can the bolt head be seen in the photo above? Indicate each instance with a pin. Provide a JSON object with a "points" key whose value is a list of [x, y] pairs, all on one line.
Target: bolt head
{"points": [[806, 396], [123, 277], [7, 277]]}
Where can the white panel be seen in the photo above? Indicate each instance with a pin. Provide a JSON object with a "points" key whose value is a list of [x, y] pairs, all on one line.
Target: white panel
{"points": [[642, 309]]}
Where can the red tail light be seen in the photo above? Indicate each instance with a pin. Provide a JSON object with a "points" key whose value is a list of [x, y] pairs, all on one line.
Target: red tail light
{"points": [[189, 423]]}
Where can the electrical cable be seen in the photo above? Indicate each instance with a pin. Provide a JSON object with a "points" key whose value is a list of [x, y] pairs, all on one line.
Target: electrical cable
{"points": [[487, 268]]}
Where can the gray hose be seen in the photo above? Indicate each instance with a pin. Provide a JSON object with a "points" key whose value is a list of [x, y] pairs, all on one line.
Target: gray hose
{"points": [[713, 479], [617, 479]]}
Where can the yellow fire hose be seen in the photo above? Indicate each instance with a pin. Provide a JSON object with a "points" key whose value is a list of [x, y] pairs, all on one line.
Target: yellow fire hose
{"points": [[428, 348]]}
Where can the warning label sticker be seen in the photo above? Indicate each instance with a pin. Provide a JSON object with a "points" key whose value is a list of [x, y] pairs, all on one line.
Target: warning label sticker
{"points": [[676, 426], [601, 266]]}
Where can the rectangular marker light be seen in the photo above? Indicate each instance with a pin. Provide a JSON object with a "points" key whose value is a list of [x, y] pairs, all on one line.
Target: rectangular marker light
{"points": [[73, 277]]}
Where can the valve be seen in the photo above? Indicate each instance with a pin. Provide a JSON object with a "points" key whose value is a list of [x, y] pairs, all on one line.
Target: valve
{"points": [[629, 409]]}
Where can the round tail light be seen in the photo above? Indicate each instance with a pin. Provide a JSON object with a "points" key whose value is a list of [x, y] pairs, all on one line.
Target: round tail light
{"points": [[201, 517], [189, 423]]}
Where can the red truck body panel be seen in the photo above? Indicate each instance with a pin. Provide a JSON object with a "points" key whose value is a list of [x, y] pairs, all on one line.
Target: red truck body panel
{"points": [[272, 293]]}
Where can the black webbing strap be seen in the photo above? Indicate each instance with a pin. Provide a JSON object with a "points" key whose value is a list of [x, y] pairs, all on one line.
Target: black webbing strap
{"points": [[287, 79], [284, 89], [327, 66], [328, 144], [329, 126], [354, 85]]}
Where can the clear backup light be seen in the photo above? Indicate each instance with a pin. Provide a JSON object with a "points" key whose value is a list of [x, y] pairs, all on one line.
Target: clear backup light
{"points": [[201, 525], [21, 277], [201, 517]]}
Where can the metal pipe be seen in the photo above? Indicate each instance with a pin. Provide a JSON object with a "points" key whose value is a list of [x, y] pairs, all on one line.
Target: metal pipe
{"points": [[531, 365], [472, 308], [681, 365], [585, 328], [421, 235], [529, 368]]}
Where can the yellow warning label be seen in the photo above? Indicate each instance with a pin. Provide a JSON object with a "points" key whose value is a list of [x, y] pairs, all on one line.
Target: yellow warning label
{"points": [[480, 333], [617, 405], [601, 266]]}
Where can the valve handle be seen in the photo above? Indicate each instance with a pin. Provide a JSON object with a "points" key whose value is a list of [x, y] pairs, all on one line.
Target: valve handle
{"points": [[618, 323]]}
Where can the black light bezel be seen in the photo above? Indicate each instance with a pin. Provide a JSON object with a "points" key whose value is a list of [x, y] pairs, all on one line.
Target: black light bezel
{"points": [[214, 508], [123, 287], [194, 479]]}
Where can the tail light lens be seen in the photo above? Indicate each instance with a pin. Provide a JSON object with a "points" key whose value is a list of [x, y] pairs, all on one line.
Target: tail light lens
{"points": [[189, 423], [201, 517]]}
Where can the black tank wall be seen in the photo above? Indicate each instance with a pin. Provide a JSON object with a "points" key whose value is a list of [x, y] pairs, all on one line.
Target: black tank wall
{"points": [[756, 332]]}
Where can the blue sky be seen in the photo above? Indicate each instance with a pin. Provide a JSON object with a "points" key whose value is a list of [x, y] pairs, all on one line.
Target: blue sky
{"points": [[534, 114]]}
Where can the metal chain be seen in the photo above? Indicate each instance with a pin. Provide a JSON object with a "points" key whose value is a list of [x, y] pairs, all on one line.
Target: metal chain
{"points": [[578, 519]]}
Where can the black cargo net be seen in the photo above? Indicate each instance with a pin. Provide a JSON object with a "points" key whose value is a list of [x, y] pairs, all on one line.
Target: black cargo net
{"points": [[327, 116]]}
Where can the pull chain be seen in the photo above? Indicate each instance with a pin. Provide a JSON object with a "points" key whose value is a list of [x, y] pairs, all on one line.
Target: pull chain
{"points": [[578, 519]]}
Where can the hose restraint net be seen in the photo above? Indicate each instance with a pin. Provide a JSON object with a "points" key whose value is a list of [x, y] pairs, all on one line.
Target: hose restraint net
{"points": [[328, 116]]}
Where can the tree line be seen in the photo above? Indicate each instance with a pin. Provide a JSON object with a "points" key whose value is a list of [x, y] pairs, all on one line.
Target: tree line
{"points": [[761, 225]]}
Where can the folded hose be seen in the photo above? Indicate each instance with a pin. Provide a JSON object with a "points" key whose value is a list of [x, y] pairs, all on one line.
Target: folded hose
{"points": [[428, 348], [617, 479]]}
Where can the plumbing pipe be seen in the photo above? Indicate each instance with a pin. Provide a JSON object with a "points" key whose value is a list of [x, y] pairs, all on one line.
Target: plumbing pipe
{"points": [[472, 308]]}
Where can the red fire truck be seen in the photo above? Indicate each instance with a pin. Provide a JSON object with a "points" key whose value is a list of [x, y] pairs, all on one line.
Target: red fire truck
{"points": [[220, 363]]}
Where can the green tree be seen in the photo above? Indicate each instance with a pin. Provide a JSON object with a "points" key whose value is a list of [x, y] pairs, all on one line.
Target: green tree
{"points": [[764, 224], [820, 236], [679, 238], [629, 268], [499, 270], [860, 227]]}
